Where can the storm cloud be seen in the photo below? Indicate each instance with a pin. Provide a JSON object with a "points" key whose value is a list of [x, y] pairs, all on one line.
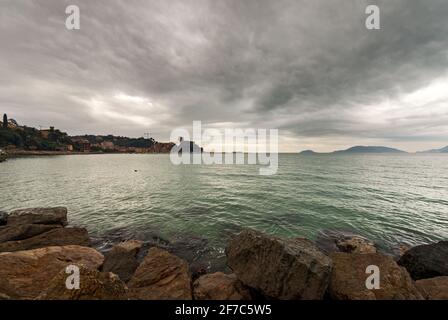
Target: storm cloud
{"points": [[309, 68]]}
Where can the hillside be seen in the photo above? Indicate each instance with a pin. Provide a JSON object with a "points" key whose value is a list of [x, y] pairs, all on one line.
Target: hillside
{"points": [[357, 150], [441, 150], [370, 149]]}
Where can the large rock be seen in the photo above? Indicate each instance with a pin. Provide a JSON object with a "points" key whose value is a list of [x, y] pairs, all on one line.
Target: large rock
{"points": [[348, 280], [220, 286], [279, 268], [93, 285], [356, 244], [161, 276], [122, 259], [3, 218], [56, 215], [426, 261], [330, 241], [434, 288], [55, 237], [24, 274], [23, 231]]}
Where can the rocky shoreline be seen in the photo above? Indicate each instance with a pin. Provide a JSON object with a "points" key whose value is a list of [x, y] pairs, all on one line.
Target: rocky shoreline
{"points": [[37, 246]]}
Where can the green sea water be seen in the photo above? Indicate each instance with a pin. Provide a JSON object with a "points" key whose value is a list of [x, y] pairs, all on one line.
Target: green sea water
{"points": [[391, 199]]}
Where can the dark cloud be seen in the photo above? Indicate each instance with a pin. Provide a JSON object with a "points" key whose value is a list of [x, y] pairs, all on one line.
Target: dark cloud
{"points": [[309, 68]]}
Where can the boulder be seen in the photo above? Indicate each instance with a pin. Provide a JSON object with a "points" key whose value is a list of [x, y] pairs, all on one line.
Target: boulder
{"points": [[122, 259], [348, 279], [356, 244], [330, 241], [434, 288], [3, 218], [279, 268], [161, 276], [23, 231], [24, 274], [56, 215], [220, 286], [93, 285], [426, 261], [55, 237]]}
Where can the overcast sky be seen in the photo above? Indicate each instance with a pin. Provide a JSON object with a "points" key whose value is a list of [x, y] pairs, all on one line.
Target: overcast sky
{"points": [[308, 68]]}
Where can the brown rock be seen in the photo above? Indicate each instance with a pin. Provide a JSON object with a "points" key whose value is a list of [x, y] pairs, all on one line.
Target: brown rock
{"points": [[402, 249], [348, 280], [23, 231], [57, 215], [122, 259], [55, 237], [24, 274], [93, 285], [356, 244], [220, 286], [279, 268], [434, 288], [161, 276]]}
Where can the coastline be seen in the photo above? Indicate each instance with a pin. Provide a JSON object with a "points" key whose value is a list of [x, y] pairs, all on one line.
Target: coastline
{"points": [[26, 153], [40, 239]]}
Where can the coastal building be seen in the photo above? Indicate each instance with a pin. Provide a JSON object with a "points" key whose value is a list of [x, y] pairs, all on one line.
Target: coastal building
{"points": [[107, 145], [46, 132], [11, 124], [83, 145]]}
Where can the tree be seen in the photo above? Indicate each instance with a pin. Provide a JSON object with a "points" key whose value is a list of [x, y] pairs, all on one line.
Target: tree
{"points": [[5, 121]]}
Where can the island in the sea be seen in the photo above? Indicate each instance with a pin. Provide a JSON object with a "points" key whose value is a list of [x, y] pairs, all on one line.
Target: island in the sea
{"points": [[371, 149], [358, 149]]}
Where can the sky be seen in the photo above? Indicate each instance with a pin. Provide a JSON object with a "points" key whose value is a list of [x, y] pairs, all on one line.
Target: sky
{"points": [[310, 69]]}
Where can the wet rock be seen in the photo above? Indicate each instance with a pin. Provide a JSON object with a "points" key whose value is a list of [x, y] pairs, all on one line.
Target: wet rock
{"points": [[94, 285], [3, 218], [331, 241], [220, 286], [122, 259], [161, 276], [279, 268], [356, 244], [434, 288], [426, 261], [198, 252], [55, 237], [24, 274], [348, 279], [106, 241], [23, 231], [56, 215]]}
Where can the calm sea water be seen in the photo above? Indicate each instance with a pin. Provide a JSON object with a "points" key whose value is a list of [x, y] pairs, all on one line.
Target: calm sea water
{"points": [[391, 199]]}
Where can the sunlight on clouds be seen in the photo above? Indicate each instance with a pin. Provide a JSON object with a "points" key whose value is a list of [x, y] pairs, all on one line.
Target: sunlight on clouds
{"points": [[436, 91], [102, 109], [424, 103], [121, 106]]}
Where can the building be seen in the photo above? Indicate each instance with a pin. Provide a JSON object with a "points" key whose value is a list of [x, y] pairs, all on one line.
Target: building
{"points": [[107, 145], [46, 132], [83, 145]]}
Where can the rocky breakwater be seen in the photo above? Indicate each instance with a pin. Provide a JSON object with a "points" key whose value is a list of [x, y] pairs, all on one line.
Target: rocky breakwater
{"points": [[37, 246]]}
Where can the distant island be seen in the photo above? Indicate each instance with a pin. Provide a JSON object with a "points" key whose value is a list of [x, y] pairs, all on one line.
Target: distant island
{"points": [[371, 149], [358, 150], [441, 150]]}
